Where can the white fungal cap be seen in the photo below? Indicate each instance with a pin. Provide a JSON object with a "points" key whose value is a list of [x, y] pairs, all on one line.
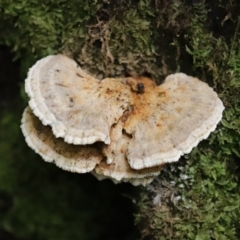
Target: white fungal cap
{"points": [[78, 107], [134, 181], [171, 119], [80, 159], [143, 126], [118, 168]]}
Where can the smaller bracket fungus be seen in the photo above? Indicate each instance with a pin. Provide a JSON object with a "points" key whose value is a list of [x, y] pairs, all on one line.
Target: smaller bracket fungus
{"points": [[124, 129], [80, 159]]}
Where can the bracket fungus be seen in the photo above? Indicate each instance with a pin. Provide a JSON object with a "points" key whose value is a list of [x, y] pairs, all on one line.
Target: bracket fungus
{"points": [[124, 129]]}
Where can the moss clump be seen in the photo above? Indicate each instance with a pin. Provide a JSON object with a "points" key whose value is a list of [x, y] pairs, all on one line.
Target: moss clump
{"points": [[197, 198]]}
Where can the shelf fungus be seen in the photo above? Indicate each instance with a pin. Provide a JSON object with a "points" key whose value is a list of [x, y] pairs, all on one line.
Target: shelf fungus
{"points": [[124, 129]]}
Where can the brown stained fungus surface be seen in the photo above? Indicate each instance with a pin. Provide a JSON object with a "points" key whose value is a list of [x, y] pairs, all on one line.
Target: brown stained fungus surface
{"points": [[141, 125]]}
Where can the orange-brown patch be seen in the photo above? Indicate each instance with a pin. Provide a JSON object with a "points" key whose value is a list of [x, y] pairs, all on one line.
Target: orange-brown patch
{"points": [[140, 102], [179, 109], [108, 91]]}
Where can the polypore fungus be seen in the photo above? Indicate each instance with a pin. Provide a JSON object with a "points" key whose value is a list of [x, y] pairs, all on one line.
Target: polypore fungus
{"points": [[78, 107], [117, 166], [74, 158], [140, 125]]}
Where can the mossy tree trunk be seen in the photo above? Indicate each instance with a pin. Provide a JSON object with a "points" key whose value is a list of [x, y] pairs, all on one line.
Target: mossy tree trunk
{"points": [[197, 198]]}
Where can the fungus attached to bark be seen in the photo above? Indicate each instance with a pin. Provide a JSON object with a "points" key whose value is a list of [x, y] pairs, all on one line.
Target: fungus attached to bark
{"points": [[170, 119], [141, 125]]}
